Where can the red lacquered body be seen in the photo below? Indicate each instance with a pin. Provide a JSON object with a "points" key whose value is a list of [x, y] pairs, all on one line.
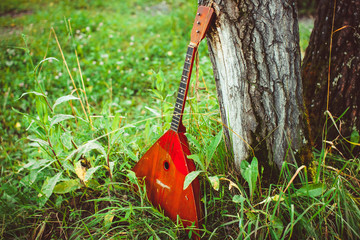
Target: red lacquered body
{"points": [[164, 178]]}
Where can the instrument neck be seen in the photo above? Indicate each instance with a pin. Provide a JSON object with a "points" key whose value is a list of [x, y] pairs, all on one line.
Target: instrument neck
{"points": [[176, 123]]}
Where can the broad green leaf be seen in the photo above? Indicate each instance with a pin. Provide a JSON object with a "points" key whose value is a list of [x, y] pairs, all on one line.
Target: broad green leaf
{"points": [[210, 149], [277, 226], [354, 137], [48, 187], [238, 199], [254, 170], [38, 140], [154, 111], [157, 93], [250, 172], [59, 200], [46, 59], [196, 159], [27, 165], [190, 177], [36, 93], [67, 186], [66, 139], [87, 147], [64, 99], [194, 141], [33, 176], [147, 131], [132, 177], [34, 164], [116, 135], [92, 183], [131, 154], [108, 218], [215, 182], [311, 190], [116, 122], [89, 173], [112, 164], [41, 108], [68, 166], [59, 118], [160, 84]]}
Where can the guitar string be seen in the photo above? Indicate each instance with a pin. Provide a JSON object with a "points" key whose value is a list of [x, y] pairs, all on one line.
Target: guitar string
{"points": [[187, 66]]}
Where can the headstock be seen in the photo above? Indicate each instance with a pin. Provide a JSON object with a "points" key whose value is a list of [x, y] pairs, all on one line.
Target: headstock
{"points": [[201, 24]]}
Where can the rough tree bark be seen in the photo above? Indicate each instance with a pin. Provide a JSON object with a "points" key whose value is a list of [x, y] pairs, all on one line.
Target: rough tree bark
{"points": [[254, 49], [344, 69]]}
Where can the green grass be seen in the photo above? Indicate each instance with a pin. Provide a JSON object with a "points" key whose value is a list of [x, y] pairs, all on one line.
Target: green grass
{"points": [[65, 167], [305, 27]]}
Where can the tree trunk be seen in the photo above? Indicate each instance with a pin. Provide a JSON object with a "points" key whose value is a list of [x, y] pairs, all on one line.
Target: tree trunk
{"points": [[344, 69], [254, 49]]}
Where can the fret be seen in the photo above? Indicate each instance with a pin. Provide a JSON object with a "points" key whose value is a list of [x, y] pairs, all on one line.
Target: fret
{"points": [[183, 85], [176, 119], [190, 51], [189, 54], [185, 72], [181, 91], [188, 57], [179, 106], [181, 96], [186, 66], [177, 112], [177, 109], [180, 101], [174, 127]]}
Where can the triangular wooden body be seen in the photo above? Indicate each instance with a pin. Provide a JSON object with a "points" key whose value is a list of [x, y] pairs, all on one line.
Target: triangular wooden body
{"points": [[164, 168]]}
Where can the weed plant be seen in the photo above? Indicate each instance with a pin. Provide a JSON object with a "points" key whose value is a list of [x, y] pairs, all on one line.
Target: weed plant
{"points": [[89, 87]]}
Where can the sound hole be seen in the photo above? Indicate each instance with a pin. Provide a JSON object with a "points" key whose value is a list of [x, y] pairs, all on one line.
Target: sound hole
{"points": [[166, 165]]}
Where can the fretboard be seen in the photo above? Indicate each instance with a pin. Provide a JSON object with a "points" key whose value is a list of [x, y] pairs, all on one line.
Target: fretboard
{"points": [[183, 89]]}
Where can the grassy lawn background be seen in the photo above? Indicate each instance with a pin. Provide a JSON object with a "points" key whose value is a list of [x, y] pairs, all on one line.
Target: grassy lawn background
{"points": [[65, 163]]}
